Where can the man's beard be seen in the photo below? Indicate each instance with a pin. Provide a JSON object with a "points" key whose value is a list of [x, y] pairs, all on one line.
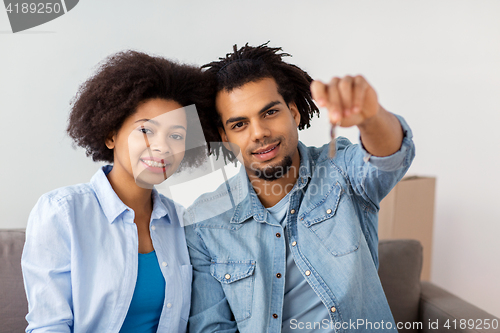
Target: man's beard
{"points": [[274, 172]]}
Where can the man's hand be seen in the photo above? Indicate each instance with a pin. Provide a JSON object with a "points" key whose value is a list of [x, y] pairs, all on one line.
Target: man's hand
{"points": [[349, 100], [352, 101]]}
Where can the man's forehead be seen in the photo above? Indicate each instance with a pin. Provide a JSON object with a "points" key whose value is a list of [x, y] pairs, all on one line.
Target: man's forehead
{"points": [[252, 96]]}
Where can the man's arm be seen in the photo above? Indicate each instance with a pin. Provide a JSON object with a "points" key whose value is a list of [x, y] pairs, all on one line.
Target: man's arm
{"points": [[386, 138], [381, 134], [352, 101]]}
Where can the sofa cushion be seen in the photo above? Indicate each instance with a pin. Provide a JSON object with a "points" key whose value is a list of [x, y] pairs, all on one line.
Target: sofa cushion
{"points": [[13, 304], [400, 264]]}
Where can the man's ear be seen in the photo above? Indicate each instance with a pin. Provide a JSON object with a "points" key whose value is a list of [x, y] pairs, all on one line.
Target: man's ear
{"points": [[225, 141], [110, 140], [295, 112]]}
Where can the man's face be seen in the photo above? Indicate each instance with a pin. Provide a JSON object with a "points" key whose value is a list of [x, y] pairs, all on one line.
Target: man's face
{"points": [[257, 119]]}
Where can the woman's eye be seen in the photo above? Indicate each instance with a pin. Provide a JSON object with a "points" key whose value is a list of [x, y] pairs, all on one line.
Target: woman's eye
{"points": [[145, 130], [177, 137]]}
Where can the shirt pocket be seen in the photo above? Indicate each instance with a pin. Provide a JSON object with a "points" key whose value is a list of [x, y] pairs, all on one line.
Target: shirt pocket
{"points": [[237, 280], [333, 220], [186, 280]]}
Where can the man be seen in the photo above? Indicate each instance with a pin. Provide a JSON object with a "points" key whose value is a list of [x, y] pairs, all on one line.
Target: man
{"points": [[290, 243]]}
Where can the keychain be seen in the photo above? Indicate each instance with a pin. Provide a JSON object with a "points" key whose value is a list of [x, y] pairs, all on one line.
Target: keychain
{"points": [[332, 148]]}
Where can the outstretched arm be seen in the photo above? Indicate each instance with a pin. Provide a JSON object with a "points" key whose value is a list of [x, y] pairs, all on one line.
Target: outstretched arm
{"points": [[352, 101]]}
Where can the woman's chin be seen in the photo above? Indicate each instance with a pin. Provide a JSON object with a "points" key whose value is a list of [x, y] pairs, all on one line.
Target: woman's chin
{"points": [[147, 179]]}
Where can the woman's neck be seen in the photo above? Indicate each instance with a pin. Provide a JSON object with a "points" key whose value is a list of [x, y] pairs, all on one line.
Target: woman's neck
{"points": [[132, 195]]}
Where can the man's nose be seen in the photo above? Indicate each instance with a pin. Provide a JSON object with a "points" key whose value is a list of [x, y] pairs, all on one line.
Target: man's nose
{"points": [[259, 131]]}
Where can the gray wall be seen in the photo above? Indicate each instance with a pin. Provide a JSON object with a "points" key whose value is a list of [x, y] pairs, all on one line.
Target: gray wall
{"points": [[434, 62]]}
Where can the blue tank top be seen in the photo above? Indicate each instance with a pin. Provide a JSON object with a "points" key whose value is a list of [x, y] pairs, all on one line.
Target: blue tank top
{"points": [[144, 312]]}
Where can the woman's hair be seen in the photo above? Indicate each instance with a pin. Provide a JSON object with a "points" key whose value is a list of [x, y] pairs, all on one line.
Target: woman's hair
{"points": [[251, 64], [121, 83]]}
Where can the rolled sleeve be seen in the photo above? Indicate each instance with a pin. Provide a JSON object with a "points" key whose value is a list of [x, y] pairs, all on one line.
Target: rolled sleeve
{"points": [[373, 177]]}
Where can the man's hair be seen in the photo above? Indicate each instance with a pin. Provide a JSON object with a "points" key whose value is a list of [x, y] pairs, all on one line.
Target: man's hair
{"points": [[251, 64], [122, 82]]}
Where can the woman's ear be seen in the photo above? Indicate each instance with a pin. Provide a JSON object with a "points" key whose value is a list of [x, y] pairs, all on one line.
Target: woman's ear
{"points": [[110, 141]]}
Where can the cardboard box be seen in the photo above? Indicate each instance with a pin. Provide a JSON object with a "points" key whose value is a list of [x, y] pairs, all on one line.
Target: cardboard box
{"points": [[408, 212]]}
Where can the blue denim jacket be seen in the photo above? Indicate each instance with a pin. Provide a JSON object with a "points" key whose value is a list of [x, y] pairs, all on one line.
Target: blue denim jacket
{"points": [[237, 249]]}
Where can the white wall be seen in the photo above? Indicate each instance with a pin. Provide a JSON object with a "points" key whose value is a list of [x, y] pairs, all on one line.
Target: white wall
{"points": [[434, 62]]}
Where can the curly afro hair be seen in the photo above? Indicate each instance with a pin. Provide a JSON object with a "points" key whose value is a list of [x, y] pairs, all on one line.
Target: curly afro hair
{"points": [[251, 64], [121, 83]]}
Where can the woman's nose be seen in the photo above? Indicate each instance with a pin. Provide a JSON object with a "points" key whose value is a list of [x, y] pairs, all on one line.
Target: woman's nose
{"points": [[161, 145]]}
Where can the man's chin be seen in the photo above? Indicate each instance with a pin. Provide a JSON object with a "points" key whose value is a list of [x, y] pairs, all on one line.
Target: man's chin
{"points": [[273, 172]]}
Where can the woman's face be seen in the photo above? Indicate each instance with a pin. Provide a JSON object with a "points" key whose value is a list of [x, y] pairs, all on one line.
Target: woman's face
{"points": [[150, 144]]}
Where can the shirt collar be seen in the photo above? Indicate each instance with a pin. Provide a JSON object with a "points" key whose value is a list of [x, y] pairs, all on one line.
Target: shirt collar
{"points": [[111, 203], [251, 205], [159, 208]]}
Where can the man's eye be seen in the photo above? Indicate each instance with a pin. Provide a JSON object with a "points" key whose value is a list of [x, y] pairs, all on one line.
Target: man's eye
{"points": [[238, 125], [271, 112]]}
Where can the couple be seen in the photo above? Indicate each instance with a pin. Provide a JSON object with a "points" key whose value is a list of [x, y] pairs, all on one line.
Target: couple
{"points": [[290, 239]]}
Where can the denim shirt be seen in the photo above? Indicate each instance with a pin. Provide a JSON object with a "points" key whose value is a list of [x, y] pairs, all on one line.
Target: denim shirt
{"points": [[80, 260], [237, 249]]}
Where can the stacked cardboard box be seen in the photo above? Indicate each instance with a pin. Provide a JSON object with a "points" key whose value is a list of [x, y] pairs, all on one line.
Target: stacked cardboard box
{"points": [[408, 212]]}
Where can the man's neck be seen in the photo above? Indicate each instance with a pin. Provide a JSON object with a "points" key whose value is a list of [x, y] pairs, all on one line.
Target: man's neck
{"points": [[271, 192]]}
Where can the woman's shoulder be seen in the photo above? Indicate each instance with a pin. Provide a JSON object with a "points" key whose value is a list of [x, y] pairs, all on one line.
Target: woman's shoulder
{"points": [[64, 201], [68, 193], [57, 208]]}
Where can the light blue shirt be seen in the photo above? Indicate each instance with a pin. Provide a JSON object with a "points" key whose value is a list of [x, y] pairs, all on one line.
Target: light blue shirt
{"points": [[300, 304], [80, 260], [237, 249]]}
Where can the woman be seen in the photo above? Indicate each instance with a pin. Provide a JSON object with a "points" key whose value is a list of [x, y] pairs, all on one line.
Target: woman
{"points": [[110, 255]]}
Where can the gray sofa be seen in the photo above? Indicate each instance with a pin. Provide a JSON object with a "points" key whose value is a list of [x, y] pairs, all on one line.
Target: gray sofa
{"points": [[411, 300]]}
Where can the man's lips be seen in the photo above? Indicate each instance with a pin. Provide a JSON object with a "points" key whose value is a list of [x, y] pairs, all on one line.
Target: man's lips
{"points": [[266, 149], [267, 153]]}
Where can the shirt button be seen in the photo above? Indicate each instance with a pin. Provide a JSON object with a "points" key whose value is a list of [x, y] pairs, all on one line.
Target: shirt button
{"points": [[275, 316], [332, 309], [328, 211], [278, 235], [153, 228], [294, 243], [308, 272], [169, 305], [278, 275], [164, 264], [292, 211], [227, 276]]}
